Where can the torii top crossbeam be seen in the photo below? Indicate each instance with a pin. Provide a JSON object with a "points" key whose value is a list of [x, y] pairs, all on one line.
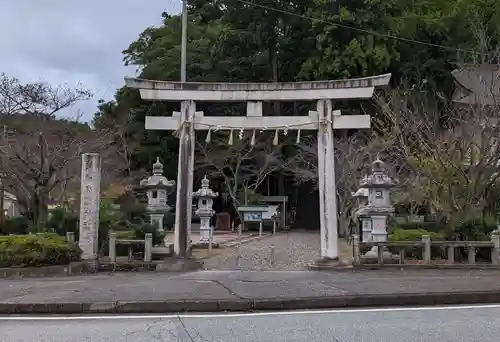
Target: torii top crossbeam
{"points": [[288, 91]]}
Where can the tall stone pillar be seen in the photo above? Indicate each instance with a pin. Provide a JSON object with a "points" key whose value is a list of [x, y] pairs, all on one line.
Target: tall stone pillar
{"points": [[326, 175], [89, 210]]}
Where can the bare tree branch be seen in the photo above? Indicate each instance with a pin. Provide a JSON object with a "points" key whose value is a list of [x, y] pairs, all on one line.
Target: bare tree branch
{"points": [[452, 151], [36, 98], [353, 156], [241, 166], [40, 156]]}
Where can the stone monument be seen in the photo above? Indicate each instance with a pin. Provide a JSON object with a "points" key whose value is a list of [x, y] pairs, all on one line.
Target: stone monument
{"points": [[89, 210], [379, 206], [157, 188], [205, 197]]}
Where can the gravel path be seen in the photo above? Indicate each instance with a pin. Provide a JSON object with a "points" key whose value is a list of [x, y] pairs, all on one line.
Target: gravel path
{"points": [[292, 251]]}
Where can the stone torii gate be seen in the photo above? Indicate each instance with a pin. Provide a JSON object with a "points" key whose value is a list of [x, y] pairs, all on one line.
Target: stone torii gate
{"points": [[324, 119]]}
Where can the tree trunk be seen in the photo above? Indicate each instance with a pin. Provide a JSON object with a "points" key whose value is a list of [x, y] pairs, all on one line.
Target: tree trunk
{"points": [[39, 212], [273, 58], [344, 223], [2, 213]]}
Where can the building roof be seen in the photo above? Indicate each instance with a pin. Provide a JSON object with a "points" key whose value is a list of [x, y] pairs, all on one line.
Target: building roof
{"points": [[477, 84]]}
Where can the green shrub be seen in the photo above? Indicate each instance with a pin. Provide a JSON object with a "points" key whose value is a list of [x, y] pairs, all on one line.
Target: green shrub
{"points": [[435, 227], [415, 235], [62, 221], [15, 225], [42, 249], [140, 231], [474, 228]]}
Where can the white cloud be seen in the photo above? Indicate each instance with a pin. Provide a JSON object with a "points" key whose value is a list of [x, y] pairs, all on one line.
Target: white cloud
{"points": [[72, 42]]}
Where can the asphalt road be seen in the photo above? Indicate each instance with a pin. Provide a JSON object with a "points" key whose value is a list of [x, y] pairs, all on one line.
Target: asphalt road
{"points": [[466, 323]]}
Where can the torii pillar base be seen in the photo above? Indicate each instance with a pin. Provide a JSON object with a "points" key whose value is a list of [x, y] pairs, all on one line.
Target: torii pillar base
{"points": [[327, 264]]}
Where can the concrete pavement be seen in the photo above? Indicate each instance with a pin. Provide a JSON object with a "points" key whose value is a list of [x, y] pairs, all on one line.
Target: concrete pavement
{"points": [[208, 291], [464, 323]]}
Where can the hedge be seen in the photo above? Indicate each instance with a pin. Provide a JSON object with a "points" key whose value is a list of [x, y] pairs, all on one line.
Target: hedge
{"points": [[415, 235], [43, 249], [434, 227]]}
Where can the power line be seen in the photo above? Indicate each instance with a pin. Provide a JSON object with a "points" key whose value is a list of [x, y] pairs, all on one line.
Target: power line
{"points": [[383, 35]]}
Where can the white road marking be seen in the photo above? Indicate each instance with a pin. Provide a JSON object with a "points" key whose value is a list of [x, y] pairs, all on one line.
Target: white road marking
{"points": [[247, 314]]}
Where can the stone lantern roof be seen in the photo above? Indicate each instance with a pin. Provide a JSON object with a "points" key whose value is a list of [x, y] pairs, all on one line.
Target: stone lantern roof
{"points": [[379, 178], [205, 190], [157, 180], [362, 192]]}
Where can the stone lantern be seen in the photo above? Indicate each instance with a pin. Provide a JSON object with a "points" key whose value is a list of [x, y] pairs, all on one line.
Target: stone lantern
{"points": [[205, 197], [379, 206], [157, 188]]}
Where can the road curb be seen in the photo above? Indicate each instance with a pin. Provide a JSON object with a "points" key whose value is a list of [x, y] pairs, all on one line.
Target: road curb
{"points": [[245, 305]]}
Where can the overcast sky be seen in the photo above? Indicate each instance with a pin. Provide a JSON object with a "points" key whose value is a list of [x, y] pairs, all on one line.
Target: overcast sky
{"points": [[72, 42]]}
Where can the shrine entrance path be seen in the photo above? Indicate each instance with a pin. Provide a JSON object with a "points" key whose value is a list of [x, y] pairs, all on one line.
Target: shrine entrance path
{"points": [[293, 251]]}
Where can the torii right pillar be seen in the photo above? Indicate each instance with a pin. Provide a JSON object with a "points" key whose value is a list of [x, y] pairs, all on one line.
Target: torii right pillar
{"points": [[331, 120]]}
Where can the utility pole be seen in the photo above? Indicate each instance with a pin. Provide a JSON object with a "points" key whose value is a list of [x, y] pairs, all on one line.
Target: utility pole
{"points": [[184, 41], [3, 138], [183, 210]]}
